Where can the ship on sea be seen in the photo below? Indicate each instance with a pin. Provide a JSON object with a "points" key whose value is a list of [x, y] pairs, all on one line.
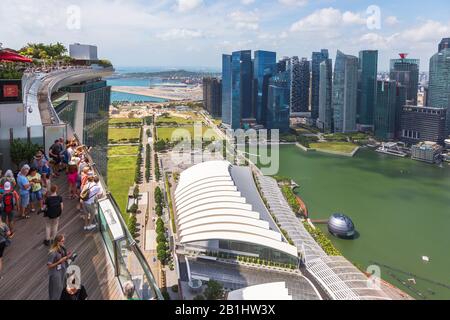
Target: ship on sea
{"points": [[393, 149]]}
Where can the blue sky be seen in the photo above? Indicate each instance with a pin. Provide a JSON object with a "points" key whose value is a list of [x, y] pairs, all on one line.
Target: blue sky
{"points": [[197, 32]]}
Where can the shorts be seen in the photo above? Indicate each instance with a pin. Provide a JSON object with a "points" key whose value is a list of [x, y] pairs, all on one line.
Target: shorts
{"points": [[10, 216], [2, 248], [24, 200], [57, 160], [36, 196]]}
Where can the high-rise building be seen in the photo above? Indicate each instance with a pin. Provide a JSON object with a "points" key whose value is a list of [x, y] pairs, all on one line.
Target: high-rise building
{"points": [[422, 124], [282, 65], [399, 104], [300, 84], [406, 71], [439, 84], [241, 87], [444, 44], [385, 110], [265, 64], [367, 88], [345, 91], [325, 120], [317, 59], [212, 96], [279, 102], [226, 89]]}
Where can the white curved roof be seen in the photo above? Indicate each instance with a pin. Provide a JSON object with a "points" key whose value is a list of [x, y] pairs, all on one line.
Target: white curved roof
{"points": [[210, 207], [267, 291]]}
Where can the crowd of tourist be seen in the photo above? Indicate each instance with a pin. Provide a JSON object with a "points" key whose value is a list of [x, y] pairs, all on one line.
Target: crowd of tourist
{"points": [[35, 191]]}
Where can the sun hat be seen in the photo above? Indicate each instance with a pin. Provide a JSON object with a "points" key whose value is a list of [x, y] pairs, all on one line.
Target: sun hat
{"points": [[9, 174], [26, 167], [7, 186]]}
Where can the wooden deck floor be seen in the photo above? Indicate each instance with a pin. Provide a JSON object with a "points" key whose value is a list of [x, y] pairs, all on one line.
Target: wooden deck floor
{"points": [[24, 262]]}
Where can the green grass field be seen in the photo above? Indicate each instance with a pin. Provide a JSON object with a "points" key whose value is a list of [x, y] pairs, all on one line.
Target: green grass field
{"points": [[124, 120], [123, 151], [178, 120], [187, 132], [124, 133], [120, 178], [345, 147]]}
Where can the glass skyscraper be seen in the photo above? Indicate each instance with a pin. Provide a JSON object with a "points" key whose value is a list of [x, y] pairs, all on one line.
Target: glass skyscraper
{"points": [[265, 64], [278, 114], [317, 59], [325, 121], [439, 84], [241, 87], [345, 91], [226, 89], [385, 110], [367, 87], [300, 84], [406, 71], [444, 44]]}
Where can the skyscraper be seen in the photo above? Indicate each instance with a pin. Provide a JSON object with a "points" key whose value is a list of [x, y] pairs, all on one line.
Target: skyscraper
{"points": [[406, 71], [325, 120], [367, 88], [212, 96], [282, 65], [317, 59], [345, 91], [226, 89], [241, 87], [265, 64], [278, 102], [300, 84], [385, 110], [439, 84], [422, 124], [445, 44]]}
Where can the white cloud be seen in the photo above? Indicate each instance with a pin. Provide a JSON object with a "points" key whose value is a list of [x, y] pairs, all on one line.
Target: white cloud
{"points": [[429, 31], [298, 3], [247, 2], [187, 5], [391, 21], [174, 34], [245, 20]]}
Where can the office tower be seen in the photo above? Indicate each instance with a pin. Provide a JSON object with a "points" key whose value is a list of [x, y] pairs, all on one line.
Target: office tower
{"points": [[300, 84], [212, 96], [345, 91], [95, 98], [400, 102], [385, 110], [241, 87], [317, 59], [406, 71], [367, 85], [439, 85], [226, 89], [265, 64], [278, 108], [444, 44], [325, 120], [282, 65], [423, 124]]}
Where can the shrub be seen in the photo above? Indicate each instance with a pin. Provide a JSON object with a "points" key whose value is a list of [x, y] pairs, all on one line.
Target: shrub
{"points": [[214, 290], [132, 222], [133, 209], [199, 297]]}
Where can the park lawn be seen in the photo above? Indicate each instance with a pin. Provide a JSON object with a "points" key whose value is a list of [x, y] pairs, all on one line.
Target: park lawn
{"points": [[121, 173], [166, 133], [124, 120], [344, 147], [123, 151], [178, 120], [123, 133]]}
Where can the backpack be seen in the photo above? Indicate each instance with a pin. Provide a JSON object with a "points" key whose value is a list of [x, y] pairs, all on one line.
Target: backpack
{"points": [[84, 196], [8, 202]]}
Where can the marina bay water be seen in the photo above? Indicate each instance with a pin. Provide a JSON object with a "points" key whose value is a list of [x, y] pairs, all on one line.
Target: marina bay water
{"points": [[132, 82], [401, 209]]}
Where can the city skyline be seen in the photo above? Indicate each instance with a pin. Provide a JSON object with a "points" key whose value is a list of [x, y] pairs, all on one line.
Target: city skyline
{"points": [[202, 29]]}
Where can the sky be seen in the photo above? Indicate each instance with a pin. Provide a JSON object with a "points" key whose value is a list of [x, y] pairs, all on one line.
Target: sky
{"points": [[196, 33]]}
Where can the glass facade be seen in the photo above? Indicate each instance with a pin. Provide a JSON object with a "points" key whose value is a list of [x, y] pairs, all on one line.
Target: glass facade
{"points": [[385, 110], [317, 59], [241, 87], [265, 64], [345, 89], [300, 84], [67, 112], [325, 121], [406, 72], [226, 89], [278, 109], [368, 67]]}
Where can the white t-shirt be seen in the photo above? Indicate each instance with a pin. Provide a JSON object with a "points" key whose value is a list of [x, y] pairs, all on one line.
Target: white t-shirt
{"points": [[94, 190]]}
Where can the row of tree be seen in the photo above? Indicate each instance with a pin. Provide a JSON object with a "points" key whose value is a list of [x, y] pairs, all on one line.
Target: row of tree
{"points": [[148, 163], [161, 239]]}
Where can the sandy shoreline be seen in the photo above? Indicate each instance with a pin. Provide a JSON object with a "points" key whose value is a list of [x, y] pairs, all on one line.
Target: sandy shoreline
{"points": [[178, 94]]}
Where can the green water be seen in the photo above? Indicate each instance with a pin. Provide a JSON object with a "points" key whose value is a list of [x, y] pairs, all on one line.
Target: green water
{"points": [[400, 207]]}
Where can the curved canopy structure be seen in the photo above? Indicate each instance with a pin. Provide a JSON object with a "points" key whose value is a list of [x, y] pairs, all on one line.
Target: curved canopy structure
{"points": [[210, 207]]}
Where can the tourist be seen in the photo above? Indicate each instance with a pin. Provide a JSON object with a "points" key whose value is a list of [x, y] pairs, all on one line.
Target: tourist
{"points": [[74, 291], [55, 154], [129, 289], [40, 163], [24, 191], [9, 207], [57, 265], [46, 185], [9, 177], [36, 189], [5, 234], [72, 178], [89, 196], [53, 209], [83, 181]]}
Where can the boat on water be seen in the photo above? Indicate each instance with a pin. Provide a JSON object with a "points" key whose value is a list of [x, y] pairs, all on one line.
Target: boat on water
{"points": [[393, 149]]}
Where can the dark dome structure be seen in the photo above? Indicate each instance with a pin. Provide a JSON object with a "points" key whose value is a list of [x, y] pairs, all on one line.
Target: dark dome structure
{"points": [[341, 226]]}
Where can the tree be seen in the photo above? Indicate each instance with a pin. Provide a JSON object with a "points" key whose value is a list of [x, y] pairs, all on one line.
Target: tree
{"points": [[159, 210], [161, 238], [199, 297], [132, 222], [133, 209], [214, 290], [22, 151], [136, 192]]}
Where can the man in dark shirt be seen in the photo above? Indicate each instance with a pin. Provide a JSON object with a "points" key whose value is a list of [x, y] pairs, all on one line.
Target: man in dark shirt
{"points": [[55, 154]]}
